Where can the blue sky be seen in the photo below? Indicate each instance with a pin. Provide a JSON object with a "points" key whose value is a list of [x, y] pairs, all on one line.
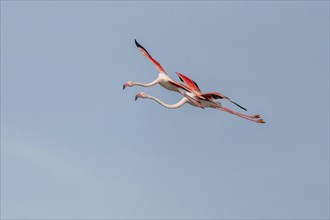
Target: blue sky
{"points": [[74, 145]]}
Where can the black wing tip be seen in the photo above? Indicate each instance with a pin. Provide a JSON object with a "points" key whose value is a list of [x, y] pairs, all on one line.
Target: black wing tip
{"points": [[239, 106], [179, 76], [140, 46], [136, 43], [197, 85], [225, 97]]}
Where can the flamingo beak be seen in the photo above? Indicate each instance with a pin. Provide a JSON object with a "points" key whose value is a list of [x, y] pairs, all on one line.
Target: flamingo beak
{"points": [[126, 84], [139, 95]]}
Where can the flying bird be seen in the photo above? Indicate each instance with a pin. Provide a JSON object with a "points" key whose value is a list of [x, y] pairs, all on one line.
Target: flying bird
{"points": [[189, 89], [209, 103], [163, 79]]}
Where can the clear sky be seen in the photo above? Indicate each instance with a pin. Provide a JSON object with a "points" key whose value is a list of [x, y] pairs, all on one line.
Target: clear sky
{"points": [[75, 145]]}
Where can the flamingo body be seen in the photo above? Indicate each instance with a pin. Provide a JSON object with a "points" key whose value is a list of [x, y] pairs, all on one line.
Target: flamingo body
{"points": [[166, 82]]}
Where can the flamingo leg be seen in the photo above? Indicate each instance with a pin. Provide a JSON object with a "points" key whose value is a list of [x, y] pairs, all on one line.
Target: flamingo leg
{"points": [[248, 117]]}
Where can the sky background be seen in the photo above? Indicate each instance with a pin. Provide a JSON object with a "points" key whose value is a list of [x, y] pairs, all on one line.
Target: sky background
{"points": [[75, 145]]}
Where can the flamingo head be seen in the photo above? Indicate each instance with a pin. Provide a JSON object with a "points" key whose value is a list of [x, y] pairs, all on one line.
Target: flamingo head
{"points": [[129, 84], [140, 95]]}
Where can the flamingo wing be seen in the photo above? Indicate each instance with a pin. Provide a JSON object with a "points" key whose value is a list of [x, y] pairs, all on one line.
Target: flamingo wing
{"points": [[189, 82], [149, 57], [179, 85], [217, 95]]}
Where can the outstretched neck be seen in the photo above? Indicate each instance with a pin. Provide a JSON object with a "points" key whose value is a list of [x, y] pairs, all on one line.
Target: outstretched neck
{"points": [[171, 106], [147, 84]]}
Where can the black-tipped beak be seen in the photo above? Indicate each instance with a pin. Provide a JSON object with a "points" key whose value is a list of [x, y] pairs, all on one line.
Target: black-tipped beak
{"points": [[124, 86], [136, 97]]}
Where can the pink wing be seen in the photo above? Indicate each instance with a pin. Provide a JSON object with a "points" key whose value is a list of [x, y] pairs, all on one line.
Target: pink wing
{"points": [[189, 83], [147, 55], [217, 95], [214, 95]]}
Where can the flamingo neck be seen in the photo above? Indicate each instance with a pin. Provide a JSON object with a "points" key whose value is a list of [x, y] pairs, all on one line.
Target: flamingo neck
{"points": [[171, 106], [146, 84]]}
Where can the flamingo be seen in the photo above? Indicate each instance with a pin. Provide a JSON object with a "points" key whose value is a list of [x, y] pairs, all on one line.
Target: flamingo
{"points": [[209, 103], [190, 90], [163, 79]]}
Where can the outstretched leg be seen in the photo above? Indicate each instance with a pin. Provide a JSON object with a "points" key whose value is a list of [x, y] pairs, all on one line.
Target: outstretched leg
{"points": [[248, 117]]}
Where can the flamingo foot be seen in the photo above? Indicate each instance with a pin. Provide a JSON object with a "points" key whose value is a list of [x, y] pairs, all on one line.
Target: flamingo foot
{"points": [[260, 121], [255, 116]]}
